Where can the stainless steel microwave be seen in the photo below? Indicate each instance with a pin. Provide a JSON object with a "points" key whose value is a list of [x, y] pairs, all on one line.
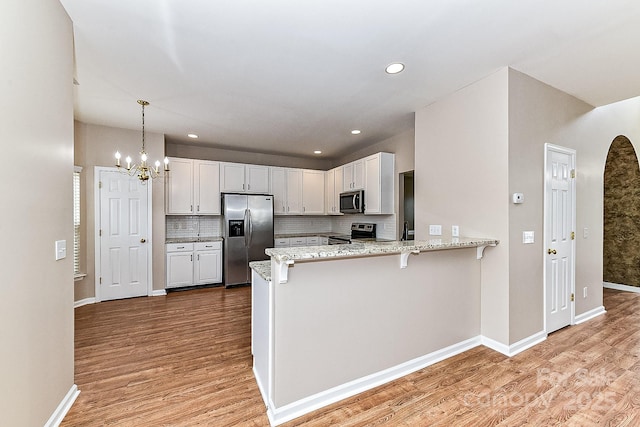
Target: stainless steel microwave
{"points": [[352, 202]]}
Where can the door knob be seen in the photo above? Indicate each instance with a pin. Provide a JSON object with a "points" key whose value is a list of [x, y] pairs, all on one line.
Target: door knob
{"points": [[142, 240], [551, 251]]}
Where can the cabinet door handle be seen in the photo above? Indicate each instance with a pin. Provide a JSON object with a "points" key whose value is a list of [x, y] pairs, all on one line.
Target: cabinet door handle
{"points": [[198, 208], [191, 257], [198, 257]]}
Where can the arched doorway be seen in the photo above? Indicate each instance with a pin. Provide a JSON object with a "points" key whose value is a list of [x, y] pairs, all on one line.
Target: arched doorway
{"points": [[621, 240]]}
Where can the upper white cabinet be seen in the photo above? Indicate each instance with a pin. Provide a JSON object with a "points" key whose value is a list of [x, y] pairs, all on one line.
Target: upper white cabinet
{"points": [[353, 175], [286, 187], [193, 187], [379, 184], [333, 188], [313, 192], [179, 187], [206, 187], [241, 178]]}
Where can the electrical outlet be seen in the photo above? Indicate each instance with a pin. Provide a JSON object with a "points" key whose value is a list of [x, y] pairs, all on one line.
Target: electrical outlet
{"points": [[455, 231], [585, 233], [435, 230], [584, 292]]}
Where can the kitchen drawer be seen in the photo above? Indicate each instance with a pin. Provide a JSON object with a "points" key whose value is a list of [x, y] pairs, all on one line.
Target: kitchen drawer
{"points": [[208, 246], [281, 243], [298, 241], [313, 241], [179, 247]]}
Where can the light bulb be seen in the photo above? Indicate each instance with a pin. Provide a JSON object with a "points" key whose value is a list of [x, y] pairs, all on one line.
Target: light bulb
{"points": [[118, 155], [143, 156]]}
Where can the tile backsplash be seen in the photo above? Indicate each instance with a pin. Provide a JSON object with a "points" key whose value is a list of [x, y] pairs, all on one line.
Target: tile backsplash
{"points": [[182, 226]]}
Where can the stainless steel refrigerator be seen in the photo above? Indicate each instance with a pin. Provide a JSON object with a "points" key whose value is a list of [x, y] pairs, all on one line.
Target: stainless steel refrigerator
{"points": [[248, 231]]}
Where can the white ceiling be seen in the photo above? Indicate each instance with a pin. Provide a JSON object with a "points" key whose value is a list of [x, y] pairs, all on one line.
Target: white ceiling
{"points": [[292, 76]]}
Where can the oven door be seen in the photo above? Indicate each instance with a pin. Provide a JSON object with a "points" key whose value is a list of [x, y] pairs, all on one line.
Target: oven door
{"points": [[352, 202]]}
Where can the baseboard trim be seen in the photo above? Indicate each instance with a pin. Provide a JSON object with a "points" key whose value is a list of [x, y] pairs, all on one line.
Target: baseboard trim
{"points": [[61, 411], [85, 301], [589, 315], [296, 409], [158, 293], [619, 287], [518, 347]]}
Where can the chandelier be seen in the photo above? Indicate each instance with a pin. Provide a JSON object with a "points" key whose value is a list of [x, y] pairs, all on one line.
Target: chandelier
{"points": [[142, 170]]}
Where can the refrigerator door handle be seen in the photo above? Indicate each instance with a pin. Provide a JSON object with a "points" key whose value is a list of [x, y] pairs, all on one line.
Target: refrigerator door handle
{"points": [[246, 227], [250, 227]]}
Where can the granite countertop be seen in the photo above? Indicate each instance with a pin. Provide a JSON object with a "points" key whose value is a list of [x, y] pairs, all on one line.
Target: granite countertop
{"points": [[192, 239], [263, 268], [376, 248]]}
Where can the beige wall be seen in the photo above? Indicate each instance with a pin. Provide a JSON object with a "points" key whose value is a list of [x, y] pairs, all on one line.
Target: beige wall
{"points": [[36, 308], [495, 130], [461, 178], [330, 329], [538, 114], [95, 146]]}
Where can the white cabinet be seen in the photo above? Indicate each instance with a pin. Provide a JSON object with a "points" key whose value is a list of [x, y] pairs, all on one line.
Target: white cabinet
{"points": [[313, 192], [242, 178], [179, 187], [313, 241], [179, 264], [297, 241], [286, 187], [193, 187], [286, 242], [379, 184], [191, 264], [206, 187], [333, 188], [353, 175], [281, 243], [207, 263]]}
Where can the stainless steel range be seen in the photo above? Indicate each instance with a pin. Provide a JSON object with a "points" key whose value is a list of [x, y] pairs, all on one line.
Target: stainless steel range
{"points": [[359, 231]]}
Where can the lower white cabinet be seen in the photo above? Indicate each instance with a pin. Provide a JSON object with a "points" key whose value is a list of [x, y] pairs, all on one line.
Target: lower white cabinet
{"points": [[282, 242], [287, 242], [191, 264], [207, 263]]}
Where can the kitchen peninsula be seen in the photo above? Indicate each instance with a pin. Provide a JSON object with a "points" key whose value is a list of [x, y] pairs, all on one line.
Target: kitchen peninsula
{"points": [[332, 321]]}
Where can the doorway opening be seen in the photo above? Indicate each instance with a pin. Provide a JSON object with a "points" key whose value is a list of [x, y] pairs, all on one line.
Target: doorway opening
{"points": [[621, 228], [406, 206]]}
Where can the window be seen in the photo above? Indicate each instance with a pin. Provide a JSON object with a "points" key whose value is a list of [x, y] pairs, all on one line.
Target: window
{"points": [[76, 221]]}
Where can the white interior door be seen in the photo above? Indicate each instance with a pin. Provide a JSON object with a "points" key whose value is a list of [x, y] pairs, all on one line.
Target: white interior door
{"points": [[123, 236], [559, 236]]}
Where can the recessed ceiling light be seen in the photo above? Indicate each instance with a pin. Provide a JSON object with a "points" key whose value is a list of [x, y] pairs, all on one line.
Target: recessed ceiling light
{"points": [[192, 135], [317, 152], [356, 132], [394, 68]]}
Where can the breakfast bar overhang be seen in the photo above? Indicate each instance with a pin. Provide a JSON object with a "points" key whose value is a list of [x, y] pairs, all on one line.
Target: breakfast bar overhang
{"points": [[329, 322]]}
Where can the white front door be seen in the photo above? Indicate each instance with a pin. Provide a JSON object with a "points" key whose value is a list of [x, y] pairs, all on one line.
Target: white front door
{"points": [[559, 249], [123, 236]]}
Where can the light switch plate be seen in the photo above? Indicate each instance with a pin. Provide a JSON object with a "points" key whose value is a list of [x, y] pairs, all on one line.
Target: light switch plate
{"points": [[61, 249], [528, 237]]}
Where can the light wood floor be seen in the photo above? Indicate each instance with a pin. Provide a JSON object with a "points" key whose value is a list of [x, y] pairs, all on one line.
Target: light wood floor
{"points": [[184, 360]]}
